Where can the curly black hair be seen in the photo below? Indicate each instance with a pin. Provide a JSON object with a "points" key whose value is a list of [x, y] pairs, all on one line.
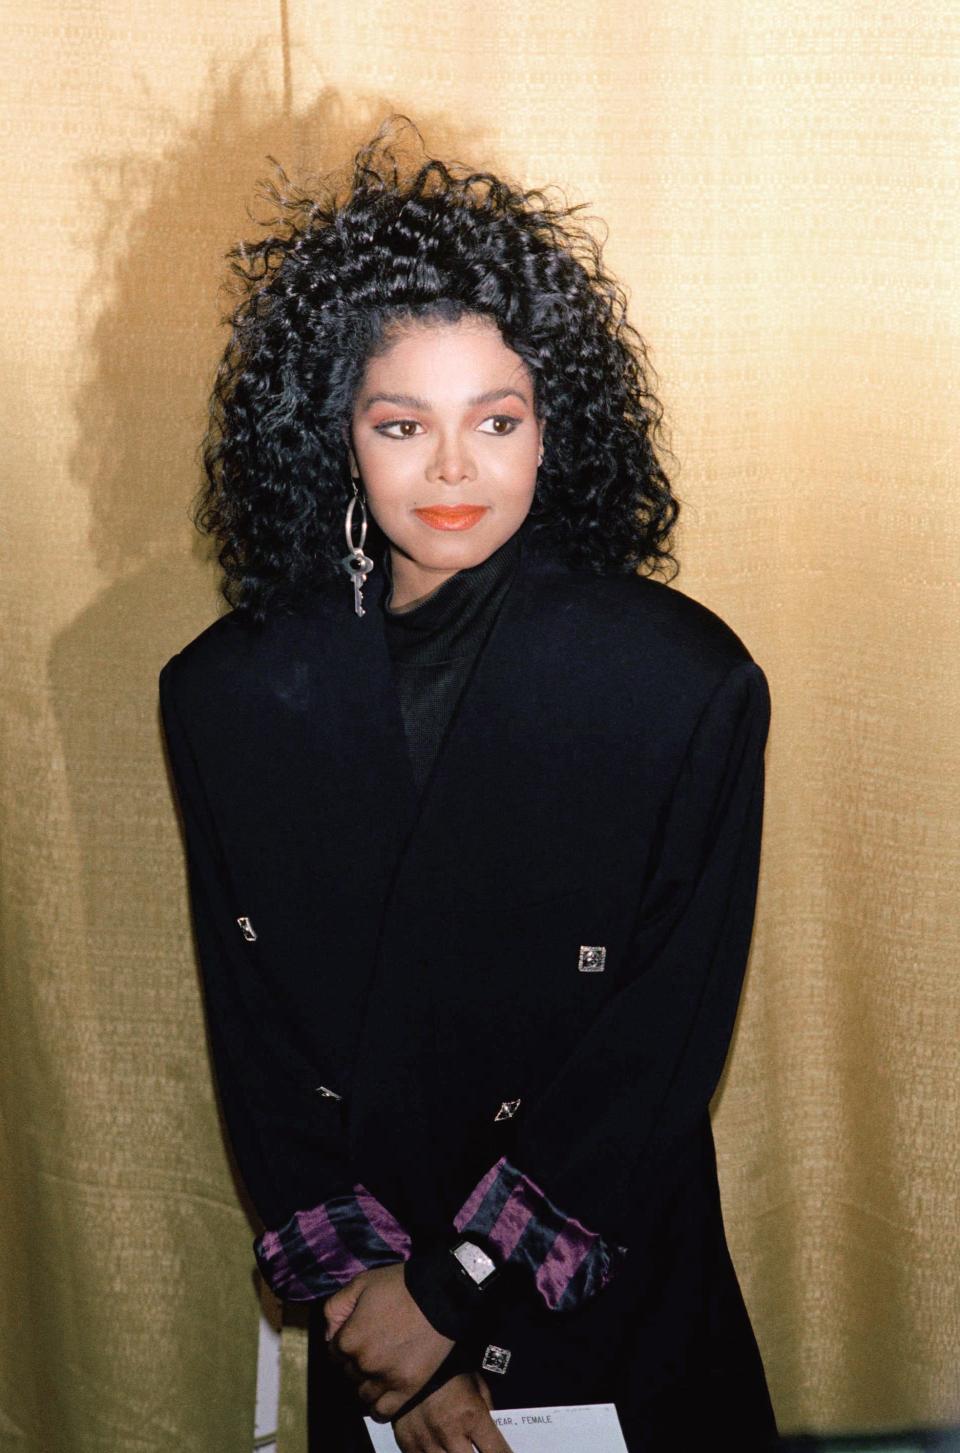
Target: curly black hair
{"points": [[318, 298]]}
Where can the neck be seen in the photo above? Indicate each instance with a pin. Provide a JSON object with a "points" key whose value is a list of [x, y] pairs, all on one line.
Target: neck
{"points": [[412, 583]]}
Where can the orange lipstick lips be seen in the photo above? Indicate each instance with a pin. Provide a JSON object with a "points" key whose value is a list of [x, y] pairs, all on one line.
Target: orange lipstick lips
{"points": [[451, 517]]}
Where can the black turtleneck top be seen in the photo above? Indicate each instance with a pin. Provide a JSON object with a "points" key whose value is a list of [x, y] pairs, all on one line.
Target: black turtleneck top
{"points": [[434, 644]]}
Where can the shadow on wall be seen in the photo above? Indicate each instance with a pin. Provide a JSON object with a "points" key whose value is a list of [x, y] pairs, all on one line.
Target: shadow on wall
{"points": [[133, 1030]]}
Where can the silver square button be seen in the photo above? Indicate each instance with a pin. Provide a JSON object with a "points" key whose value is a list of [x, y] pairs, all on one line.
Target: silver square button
{"points": [[495, 1359], [592, 959]]}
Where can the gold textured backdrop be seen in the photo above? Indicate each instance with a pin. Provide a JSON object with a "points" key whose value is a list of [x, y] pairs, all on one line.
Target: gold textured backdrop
{"points": [[780, 182]]}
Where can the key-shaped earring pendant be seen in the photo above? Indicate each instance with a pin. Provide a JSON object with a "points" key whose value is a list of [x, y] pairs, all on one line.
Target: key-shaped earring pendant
{"points": [[358, 566]]}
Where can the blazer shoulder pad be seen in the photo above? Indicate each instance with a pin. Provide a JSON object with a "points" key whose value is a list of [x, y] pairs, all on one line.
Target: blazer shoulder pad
{"points": [[217, 663], [659, 619]]}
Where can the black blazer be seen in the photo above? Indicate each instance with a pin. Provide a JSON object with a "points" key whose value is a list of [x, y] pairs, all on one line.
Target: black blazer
{"points": [[601, 784]]}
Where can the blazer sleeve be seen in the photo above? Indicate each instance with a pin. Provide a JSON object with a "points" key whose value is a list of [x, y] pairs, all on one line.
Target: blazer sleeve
{"points": [[644, 1072], [285, 1131]]}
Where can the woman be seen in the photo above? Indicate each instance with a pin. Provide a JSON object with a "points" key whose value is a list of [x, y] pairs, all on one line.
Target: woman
{"points": [[473, 815]]}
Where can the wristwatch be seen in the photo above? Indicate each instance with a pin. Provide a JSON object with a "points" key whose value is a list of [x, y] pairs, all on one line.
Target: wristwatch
{"points": [[478, 1266]]}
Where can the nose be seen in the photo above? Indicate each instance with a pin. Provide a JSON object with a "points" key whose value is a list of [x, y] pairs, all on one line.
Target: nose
{"points": [[452, 462]]}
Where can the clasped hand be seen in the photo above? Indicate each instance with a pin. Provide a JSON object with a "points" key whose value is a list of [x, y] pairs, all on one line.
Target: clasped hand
{"points": [[382, 1340], [388, 1349]]}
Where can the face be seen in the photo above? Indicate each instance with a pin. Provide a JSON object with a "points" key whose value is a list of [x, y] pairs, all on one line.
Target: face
{"points": [[445, 441]]}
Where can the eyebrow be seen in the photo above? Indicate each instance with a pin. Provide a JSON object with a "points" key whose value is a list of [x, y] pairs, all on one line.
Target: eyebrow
{"points": [[411, 401]]}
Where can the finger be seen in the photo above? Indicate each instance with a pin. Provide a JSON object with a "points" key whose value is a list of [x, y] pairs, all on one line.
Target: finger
{"points": [[449, 1427], [332, 1316], [371, 1390], [338, 1307], [336, 1311], [414, 1434], [388, 1404], [483, 1388], [347, 1365], [456, 1443], [487, 1437], [440, 1441], [344, 1344]]}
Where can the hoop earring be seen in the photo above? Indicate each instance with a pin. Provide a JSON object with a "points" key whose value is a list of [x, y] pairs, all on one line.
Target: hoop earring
{"points": [[356, 564]]}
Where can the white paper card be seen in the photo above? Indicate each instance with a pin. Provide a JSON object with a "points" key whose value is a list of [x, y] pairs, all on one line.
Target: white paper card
{"points": [[539, 1430]]}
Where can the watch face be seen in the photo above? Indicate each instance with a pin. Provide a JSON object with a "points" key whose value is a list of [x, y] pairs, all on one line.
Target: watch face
{"points": [[475, 1262]]}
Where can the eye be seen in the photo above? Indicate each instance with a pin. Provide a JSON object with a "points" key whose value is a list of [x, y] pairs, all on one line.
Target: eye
{"points": [[505, 424], [397, 424], [509, 419]]}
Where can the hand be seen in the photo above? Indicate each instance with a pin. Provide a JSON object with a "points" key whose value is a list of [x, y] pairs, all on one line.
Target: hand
{"points": [[453, 1419], [382, 1340]]}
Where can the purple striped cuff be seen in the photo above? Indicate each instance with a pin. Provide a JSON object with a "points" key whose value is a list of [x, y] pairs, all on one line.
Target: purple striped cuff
{"points": [[323, 1248], [522, 1225]]}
